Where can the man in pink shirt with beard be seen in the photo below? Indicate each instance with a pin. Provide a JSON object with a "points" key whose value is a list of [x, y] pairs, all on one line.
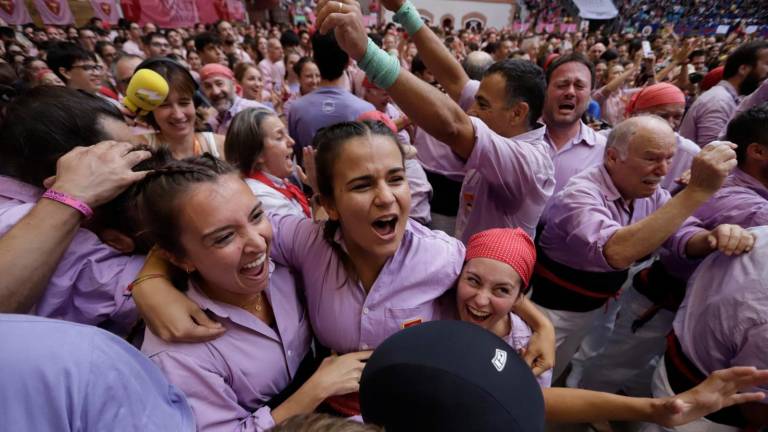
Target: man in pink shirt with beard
{"points": [[614, 214]]}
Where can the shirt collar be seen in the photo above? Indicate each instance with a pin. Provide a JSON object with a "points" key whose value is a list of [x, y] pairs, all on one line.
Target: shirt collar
{"points": [[730, 89], [608, 188], [585, 136], [18, 190], [232, 313], [750, 182]]}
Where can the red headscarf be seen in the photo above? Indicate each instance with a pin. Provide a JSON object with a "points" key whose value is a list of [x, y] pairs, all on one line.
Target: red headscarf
{"points": [[379, 116], [712, 78], [655, 95], [510, 246]]}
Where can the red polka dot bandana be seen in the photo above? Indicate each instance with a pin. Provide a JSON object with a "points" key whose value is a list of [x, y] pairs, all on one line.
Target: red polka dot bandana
{"points": [[510, 246]]}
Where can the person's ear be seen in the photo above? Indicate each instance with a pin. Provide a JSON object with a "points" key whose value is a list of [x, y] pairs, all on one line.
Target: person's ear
{"points": [[183, 264], [519, 113], [65, 73], [330, 208]]}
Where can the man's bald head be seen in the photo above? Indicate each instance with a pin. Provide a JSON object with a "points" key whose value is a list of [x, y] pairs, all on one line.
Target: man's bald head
{"points": [[476, 63]]}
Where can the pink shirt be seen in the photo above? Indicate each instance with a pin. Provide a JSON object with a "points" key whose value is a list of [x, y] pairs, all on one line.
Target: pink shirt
{"points": [[723, 321], [229, 380], [508, 180], [685, 151], [742, 200], [588, 211], [585, 150], [709, 115], [344, 317], [89, 284], [437, 157], [273, 73]]}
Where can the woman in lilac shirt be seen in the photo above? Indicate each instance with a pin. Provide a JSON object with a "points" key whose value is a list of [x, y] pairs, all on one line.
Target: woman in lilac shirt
{"points": [[206, 220], [368, 271]]}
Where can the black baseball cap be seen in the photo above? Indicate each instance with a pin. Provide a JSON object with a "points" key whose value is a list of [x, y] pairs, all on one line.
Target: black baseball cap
{"points": [[450, 376]]}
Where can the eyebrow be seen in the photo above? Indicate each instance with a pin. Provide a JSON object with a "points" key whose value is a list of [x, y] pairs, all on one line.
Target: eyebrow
{"points": [[392, 171], [255, 209]]}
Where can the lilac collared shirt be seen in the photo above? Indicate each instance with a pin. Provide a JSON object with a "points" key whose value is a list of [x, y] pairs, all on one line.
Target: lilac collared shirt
{"points": [[508, 180], [89, 284], [62, 376], [758, 97], [273, 73], [437, 157], [229, 380], [344, 317], [723, 321], [709, 114], [325, 106], [224, 119], [584, 216], [585, 150], [742, 200]]}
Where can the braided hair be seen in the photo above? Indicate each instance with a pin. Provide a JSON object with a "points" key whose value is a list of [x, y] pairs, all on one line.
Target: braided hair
{"points": [[158, 195]]}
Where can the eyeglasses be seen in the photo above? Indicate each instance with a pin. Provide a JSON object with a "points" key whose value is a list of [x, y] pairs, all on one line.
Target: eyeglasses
{"points": [[89, 67]]}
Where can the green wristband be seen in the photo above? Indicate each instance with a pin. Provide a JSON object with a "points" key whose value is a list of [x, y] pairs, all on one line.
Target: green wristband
{"points": [[381, 68], [408, 17]]}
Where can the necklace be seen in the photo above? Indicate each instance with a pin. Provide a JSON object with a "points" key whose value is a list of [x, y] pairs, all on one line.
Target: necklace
{"points": [[252, 305]]}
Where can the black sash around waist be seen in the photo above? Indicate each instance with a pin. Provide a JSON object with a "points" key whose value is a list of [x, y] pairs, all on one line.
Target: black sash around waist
{"points": [[661, 288], [683, 375], [557, 286]]}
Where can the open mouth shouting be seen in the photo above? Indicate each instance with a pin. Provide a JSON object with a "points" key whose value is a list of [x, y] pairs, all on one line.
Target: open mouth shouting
{"points": [[385, 226], [566, 108]]}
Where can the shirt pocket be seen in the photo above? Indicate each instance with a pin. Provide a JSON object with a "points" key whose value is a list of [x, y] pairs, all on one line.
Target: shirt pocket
{"points": [[409, 317]]}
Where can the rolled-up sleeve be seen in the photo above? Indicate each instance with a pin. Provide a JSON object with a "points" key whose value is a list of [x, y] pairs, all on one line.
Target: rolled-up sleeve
{"points": [[513, 169], [586, 225]]}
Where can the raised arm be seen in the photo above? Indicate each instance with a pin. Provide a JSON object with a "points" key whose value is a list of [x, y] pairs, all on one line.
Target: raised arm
{"points": [[433, 52], [426, 106], [31, 250], [708, 171]]}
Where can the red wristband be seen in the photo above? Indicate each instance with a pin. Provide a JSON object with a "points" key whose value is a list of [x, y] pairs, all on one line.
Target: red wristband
{"points": [[70, 201]]}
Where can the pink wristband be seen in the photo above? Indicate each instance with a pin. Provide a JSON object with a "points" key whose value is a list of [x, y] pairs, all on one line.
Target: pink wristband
{"points": [[70, 201]]}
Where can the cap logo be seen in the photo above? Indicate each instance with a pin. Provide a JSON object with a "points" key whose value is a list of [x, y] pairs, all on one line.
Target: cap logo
{"points": [[499, 359]]}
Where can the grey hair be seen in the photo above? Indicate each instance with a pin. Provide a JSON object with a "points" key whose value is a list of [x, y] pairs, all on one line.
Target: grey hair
{"points": [[476, 63], [623, 134]]}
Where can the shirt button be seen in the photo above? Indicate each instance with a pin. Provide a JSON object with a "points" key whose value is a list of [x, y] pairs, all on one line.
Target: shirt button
{"points": [[290, 352], [366, 310]]}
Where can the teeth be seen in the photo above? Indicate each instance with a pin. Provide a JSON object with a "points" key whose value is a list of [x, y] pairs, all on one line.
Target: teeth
{"points": [[255, 263], [478, 313]]}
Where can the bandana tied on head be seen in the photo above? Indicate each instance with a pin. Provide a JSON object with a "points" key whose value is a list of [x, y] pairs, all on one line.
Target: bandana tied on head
{"points": [[510, 246], [655, 95], [214, 69]]}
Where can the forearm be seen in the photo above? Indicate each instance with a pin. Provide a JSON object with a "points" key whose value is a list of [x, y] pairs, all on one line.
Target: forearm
{"points": [[532, 316], [619, 81], [566, 405], [303, 401], [440, 62], [434, 112], [633, 242], [31, 251]]}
